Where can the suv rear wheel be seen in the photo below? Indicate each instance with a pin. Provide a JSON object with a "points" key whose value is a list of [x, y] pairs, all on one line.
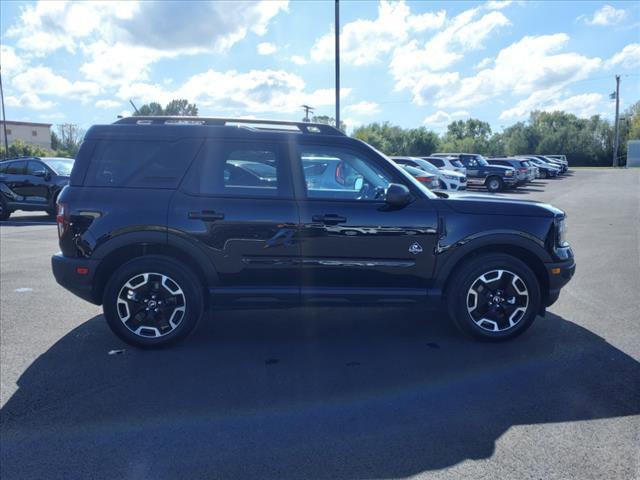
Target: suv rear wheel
{"points": [[153, 301], [493, 297], [494, 184]]}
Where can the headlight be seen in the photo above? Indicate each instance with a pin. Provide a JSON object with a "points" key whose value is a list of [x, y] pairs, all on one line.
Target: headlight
{"points": [[561, 233], [509, 173], [450, 177]]}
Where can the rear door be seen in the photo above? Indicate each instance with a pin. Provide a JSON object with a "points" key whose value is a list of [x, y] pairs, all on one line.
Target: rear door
{"points": [[237, 204], [15, 180], [353, 246], [38, 182]]}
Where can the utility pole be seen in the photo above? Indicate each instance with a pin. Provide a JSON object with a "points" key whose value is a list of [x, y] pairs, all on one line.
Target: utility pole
{"points": [[337, 28], [307, 109], [4, 120], [616, 140]]}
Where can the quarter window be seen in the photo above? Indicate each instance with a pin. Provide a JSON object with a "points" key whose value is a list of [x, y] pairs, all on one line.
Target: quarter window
{"points": [[335, 173], [17, 168]]}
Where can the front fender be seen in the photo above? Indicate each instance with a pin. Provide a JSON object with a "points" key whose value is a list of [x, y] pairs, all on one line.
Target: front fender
{"points": [[449, 255]]}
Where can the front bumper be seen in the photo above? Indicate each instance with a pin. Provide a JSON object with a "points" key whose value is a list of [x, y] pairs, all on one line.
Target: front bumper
{"points": [[65, 271], [558, 275]]}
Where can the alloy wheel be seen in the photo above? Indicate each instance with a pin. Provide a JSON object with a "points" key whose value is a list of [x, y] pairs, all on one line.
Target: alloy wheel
{"points": [[151, 305], [497, 300]]}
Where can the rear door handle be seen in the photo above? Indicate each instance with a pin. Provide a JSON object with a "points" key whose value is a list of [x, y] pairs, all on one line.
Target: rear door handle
{"points": [[208, 215], [329, 219]]}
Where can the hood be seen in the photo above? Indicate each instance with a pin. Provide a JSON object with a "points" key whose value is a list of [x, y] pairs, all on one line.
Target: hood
{"points": [[453, 173], [478, 204], [496, 168]]}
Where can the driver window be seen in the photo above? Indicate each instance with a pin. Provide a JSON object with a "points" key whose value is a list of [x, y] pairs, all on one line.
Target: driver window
{"points": [[335, 173]]}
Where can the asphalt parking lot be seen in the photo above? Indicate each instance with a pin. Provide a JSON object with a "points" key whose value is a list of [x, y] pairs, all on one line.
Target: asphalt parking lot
{"points": [[334, 393]]}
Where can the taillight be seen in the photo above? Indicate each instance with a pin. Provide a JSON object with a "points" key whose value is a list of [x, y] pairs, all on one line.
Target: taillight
{"points": [[524, 170], [62, 219]]}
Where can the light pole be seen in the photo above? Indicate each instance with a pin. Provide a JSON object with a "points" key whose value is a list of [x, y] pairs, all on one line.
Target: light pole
{"points": [[4, 120], [337, 28]]}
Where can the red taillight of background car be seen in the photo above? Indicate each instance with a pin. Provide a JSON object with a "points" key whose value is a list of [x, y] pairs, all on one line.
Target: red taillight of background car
{"points": [[62, 219], [524, 169], [428, 181]]}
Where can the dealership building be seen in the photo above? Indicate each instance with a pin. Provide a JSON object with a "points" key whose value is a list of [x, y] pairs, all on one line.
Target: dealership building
{"points": [[38, 134]]}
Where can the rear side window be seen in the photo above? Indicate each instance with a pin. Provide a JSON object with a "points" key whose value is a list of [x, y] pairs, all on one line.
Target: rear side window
{"points": [[437, 162], [457, 163], [17, 168], [239, 170], [140, 163]]}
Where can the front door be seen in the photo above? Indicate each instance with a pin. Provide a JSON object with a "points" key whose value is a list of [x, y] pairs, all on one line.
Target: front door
{"points": [[352, 244], [237, 203]]}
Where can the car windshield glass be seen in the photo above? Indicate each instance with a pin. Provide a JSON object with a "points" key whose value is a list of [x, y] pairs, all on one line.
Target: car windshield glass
{"points": [[424, 165], [481, 161], [457, 163], [61, 166]]}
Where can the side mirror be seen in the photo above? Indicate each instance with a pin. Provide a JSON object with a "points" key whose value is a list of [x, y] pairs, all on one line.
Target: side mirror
{"points": [[397, 195]]}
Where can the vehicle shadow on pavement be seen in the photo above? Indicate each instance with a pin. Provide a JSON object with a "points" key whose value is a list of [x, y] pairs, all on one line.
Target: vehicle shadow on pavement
{"points": [[302, 393], [28, 220]]}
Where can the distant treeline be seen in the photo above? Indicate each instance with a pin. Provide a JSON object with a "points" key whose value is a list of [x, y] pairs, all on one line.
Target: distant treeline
{"points": [[583, 141]]}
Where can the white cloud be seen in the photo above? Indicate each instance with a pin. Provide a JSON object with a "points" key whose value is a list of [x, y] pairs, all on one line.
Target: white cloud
{"points": [[298, 60], [52, 116], [362, 42], [363, 108], [205, 26], [607, 15], [484, 63], [108, 104], [10, 62], [29, 100], [43, 81], [465, 32], [509, 75], [442, 118], [256, 91], [628, 57], [266, 48], [583, 105], [497, 4]]}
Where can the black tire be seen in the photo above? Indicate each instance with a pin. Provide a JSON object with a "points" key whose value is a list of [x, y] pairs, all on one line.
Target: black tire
{"points": [[5, 213], [185, 308], [509, 319], [543, 174], [52, 211], [494, 184]]}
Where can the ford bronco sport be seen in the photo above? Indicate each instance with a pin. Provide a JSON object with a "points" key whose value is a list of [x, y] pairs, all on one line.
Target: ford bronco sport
{"points": [[165, 218]]}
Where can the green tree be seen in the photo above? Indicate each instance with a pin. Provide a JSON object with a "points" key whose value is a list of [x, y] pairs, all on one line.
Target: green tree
{"points": [[176, 107], [471, 135], [69, 140], [327, 120], [394, 140]]}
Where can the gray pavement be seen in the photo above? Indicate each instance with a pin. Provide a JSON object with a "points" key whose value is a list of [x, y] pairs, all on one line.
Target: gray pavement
{"points": [[333, 393]]}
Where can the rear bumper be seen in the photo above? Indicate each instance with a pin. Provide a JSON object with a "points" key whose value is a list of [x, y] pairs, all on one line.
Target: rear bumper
{"points": [[65, 271], [558, 275]]}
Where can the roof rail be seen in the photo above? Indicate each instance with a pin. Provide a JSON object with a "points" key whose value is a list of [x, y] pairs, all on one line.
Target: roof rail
{"points": [[278, 125]]}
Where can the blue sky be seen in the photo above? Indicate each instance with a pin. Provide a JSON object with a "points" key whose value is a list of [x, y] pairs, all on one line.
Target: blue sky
{"points": [[411, 63]]}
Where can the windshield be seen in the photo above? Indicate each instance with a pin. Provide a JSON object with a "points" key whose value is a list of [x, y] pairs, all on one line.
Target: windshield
{"points": [[61, 166], [424, 165], [481, 161], [457, 163]]}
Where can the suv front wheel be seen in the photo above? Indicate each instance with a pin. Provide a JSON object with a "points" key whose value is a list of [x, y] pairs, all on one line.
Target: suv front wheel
{"points": [[153, 301], [493, 297], [494, 184]]}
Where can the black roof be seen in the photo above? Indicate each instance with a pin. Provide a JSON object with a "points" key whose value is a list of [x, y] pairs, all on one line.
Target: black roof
{"points": [[305, 128]]}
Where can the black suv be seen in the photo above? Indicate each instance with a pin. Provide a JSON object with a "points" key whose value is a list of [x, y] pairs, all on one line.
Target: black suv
{"points": [[32, 183], [166, 217], [495, 178]]}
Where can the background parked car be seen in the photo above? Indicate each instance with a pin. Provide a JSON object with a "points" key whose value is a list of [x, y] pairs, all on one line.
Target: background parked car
{"points": [[558, 163], [449, 179], [494, 177], [524, 171], [32, 184], [447, 163], [546, 170], [429, 180]]}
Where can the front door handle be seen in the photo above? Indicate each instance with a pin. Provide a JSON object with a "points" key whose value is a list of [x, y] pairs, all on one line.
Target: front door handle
{"points": [[207, 215], [329, 219]]}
